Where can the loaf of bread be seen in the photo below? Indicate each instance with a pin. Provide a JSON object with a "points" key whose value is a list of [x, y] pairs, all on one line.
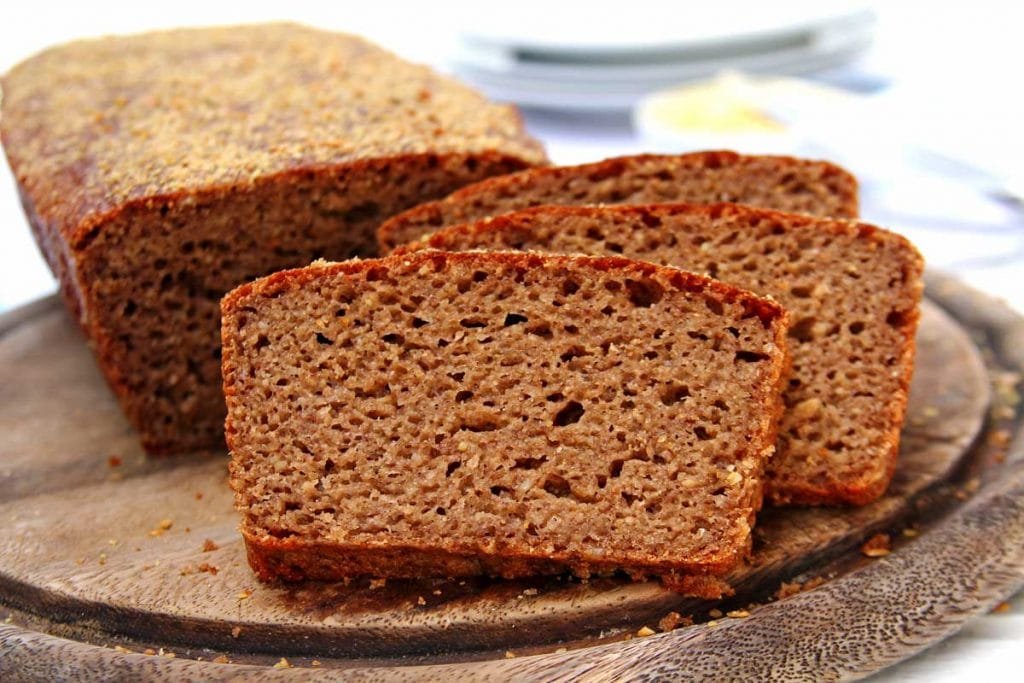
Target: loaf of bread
{"points": [[799, 185], [159, 171], [852, 291], [443, 414]]}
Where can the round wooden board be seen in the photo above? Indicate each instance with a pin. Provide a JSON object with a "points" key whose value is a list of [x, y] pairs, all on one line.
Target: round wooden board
{"points": [[92, 574]]}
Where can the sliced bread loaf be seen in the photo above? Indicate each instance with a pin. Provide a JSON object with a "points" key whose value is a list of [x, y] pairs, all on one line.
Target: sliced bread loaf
{"points": [[852, 291], [158, 171], [443, 414], [800, 185]]}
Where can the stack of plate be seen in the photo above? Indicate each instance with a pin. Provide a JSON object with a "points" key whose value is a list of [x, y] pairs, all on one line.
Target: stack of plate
{"points": [[609, 61]]}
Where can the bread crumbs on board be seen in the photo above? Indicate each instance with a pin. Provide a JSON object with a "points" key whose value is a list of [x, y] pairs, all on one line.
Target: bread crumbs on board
{"points": [[878, 545]]}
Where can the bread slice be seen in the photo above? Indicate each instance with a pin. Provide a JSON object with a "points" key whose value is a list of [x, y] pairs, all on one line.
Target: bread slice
{"points": [[159, 171], [813, 187], [852, 291], [443, 414]]}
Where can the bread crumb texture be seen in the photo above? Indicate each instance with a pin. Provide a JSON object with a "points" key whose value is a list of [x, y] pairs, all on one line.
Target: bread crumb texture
{"points": [[852, 291], [502, 413]]}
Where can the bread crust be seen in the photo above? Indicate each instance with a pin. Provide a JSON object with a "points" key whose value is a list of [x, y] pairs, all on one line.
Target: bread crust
{"points": [[439, 213], [294, 559]]}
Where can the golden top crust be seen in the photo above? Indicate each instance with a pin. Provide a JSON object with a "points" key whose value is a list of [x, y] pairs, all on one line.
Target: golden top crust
{"points": [[93, 125]]}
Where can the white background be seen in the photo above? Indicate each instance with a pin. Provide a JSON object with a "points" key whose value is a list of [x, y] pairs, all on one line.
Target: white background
{"points": [[956, 75]]}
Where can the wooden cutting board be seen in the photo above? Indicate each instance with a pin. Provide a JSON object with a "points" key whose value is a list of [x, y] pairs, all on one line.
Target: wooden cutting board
{"points": [[107, 554]]}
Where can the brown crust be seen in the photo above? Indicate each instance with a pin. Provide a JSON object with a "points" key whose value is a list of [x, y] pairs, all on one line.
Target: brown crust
{"points": [[133, 145], [857, 492], [434, 212], [296, 559]]}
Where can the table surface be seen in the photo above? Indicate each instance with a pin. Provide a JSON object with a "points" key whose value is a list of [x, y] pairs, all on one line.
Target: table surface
{"points": [[955, 100]]}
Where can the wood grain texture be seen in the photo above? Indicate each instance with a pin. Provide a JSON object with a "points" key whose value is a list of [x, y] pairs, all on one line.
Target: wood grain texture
{"points": [[86, 557]]}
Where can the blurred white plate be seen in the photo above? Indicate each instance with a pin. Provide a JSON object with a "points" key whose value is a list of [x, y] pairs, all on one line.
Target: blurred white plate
{"points": [[610, 62]]}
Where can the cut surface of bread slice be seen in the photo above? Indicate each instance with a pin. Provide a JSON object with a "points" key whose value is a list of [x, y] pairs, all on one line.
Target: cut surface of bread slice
{"points": [[444, 414], [786, 183], [852, 291]]}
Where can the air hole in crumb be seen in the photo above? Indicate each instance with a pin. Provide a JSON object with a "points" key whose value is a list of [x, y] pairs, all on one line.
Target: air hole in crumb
{"points": [[529, 463], [393, 338], [607, 310], [750, 356], [479, 276], [556, 397], [557, 486], [615, 469], [572, 352], [644, 293], [570, 287], [733, 331], [452, 466], [856, 327], [569, 414], [802, 292], [630, 498], [261, 342], [498, 490], [463, 396], [340, 313], [472, 323], [480, 425], [602, 481], [571, 329], [803, 330], [896, 319], [440, 510], [457, 376], [702, 433], [650, 220], [714, 305], [835, 446], [514, 319], [674, 393], [328, 466], [613, 285], [651, 355], [594, 234], [720, 491], [614, 247], [419, 322], [542, 330]]}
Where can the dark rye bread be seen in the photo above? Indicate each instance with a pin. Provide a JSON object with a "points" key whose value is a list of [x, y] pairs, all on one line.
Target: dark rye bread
{"points": [[444, 414], [159, 171], [852, 291], [799, 185]]}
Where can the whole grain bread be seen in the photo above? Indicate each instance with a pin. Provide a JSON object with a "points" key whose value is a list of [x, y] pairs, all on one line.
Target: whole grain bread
{"points": [[786, 183], [158, 171], [443, 414], [851, 289]]}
